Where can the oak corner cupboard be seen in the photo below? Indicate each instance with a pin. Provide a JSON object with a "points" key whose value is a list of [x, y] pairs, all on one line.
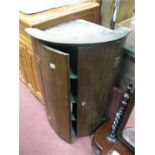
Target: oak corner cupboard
{"points": [[76, 62]]}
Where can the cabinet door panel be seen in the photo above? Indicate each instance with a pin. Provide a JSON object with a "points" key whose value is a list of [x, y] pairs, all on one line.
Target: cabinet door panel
{"points": [[54, 66], [32, 69], [21, 69], [28, 69], [96, 68], [23, 64]]}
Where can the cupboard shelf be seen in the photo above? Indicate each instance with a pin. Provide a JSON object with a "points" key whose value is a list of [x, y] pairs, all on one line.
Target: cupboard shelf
{"points": [[73, 117], [72, 75], [73, 133], [73, 99]]}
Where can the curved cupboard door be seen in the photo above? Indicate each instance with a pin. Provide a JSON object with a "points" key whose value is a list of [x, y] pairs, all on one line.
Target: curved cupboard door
{"points": [[96, 71], [54, 73]]}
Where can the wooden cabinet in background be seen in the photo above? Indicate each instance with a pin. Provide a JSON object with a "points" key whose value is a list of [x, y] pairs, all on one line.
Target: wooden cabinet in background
{"points": [[22, 62], [125, 10], [27, 69], [84, 10]]}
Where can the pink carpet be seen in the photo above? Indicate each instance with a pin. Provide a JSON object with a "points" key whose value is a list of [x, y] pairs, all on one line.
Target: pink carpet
{"points": [[36, 135]]}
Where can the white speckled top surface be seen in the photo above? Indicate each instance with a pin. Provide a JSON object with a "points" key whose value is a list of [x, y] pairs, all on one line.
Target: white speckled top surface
{"points": [[78, 32]]}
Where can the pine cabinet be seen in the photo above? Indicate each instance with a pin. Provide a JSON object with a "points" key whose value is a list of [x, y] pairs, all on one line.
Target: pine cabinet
{"points": [[27, 69], [76, 64]]}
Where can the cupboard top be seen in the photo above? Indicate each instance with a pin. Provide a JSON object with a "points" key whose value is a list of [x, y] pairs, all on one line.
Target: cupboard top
{"points": [[78, 32]]}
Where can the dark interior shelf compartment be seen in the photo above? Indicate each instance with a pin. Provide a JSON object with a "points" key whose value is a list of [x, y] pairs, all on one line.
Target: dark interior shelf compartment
{"points": [[72, 75], [73, 99], [73, 118], [73, 131], [73, 107], [73, 87]]}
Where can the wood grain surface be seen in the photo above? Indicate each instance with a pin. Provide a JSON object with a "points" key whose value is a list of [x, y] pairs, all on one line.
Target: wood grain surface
{"points": [[54, 67], [96, 74]]}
